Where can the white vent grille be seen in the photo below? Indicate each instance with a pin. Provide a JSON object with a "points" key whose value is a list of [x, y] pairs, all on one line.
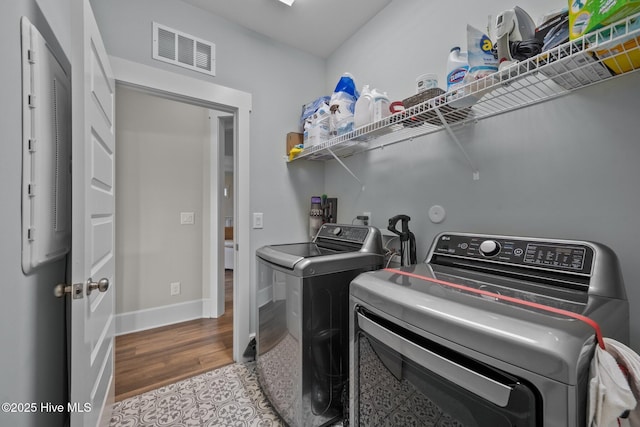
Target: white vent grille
{"points": [[166, 44], [203, 56], [184, 50]]}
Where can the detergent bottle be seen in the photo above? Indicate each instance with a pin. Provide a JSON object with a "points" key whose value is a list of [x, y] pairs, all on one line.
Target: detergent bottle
{"points": [[457, 68], [363, 114], [381, 105], [342, 106]]}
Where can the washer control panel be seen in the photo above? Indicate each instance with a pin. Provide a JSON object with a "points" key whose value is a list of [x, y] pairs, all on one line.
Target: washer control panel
{"points": [[347, 233], [524, 252]]}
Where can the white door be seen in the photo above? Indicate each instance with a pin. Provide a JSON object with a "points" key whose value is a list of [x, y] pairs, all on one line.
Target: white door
{"points": [[93, 225]]}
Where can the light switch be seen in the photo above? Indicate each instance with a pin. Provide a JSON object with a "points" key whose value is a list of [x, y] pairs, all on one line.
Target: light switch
{"points": [[257, 220], [187, 218]]}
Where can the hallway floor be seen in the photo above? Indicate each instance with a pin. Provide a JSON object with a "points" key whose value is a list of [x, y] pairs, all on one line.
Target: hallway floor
{"points": [[148, 360]]}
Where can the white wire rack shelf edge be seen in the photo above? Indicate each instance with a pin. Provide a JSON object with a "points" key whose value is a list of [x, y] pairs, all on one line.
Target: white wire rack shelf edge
{"points": [[549, 75]]}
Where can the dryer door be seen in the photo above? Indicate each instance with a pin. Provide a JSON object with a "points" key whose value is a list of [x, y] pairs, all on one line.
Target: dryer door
{"points": [[403, 379]]}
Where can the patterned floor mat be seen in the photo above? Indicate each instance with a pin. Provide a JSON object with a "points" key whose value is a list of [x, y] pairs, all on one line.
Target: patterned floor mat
{"points": [[229, 396]]}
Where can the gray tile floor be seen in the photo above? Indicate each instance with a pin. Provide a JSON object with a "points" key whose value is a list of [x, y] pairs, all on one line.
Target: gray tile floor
{"points": [[229, 396]]}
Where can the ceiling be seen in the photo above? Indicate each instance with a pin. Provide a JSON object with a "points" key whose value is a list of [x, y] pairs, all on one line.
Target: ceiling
{"points": [[315, 26]]}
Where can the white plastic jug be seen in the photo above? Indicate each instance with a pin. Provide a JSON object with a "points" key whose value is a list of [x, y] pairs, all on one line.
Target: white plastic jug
{"points": [[457, 68], [363, 114], [317, 128], [381, 105], [342, 105], [426, 82]]}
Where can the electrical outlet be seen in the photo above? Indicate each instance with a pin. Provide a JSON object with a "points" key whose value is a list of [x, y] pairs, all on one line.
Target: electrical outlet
{"points": [[175, 288], [368, 215]]}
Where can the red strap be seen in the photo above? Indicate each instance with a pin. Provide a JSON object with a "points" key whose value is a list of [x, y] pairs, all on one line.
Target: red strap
{"points": [[567, 313]]}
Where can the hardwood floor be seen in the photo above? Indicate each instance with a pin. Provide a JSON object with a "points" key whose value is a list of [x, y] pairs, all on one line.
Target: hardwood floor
{"points": [[153, 358]]}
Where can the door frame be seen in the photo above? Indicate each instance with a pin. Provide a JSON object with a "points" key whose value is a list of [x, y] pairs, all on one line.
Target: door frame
{"points": [[218, 286], [215, 174], [212, 96]]}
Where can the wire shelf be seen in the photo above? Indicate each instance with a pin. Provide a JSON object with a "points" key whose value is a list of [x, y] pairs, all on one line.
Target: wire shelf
{"points": [[607, 53]]}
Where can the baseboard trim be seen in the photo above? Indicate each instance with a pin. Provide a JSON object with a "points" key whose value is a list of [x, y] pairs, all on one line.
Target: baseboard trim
{"points": [[140, 320], [206, 308]]}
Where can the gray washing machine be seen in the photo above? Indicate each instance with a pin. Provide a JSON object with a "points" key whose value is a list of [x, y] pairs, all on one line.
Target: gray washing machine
{"points": [[490, 331], [303, 320]]}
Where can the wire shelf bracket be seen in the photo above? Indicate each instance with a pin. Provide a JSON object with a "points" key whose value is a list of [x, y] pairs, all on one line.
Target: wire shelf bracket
{"points": [[452, 135], [346, 168]]}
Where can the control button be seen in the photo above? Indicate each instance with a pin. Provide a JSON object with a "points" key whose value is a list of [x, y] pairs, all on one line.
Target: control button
{"points": [[337, 231], [489, 248], [464, 245], [518, 252]]}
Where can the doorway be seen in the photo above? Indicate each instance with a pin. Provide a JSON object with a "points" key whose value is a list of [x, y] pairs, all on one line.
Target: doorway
{"points": [[198, 92], [165, 169]]}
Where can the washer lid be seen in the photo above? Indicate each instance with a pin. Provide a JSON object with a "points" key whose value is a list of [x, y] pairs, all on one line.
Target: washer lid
{"points": [[548, 344], [309, 259], [288, 255]]}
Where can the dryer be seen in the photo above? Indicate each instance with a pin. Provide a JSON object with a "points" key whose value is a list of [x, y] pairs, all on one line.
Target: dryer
{"points": [[489, 331]]}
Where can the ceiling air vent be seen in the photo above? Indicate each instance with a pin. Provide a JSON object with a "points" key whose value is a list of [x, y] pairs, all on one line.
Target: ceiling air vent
{"points": [[184, 50]]}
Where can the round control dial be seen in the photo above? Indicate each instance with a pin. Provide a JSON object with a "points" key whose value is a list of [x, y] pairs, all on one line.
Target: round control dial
{"points": [[337, 231], [489, 248]]}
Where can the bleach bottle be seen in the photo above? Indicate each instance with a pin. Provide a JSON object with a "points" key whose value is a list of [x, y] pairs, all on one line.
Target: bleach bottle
{"points": [[381, 105], [457, 68], [363, 114]]}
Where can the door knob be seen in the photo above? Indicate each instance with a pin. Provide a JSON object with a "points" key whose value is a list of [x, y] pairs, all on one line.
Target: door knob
{"points": [[101, 286], [76, 290]]}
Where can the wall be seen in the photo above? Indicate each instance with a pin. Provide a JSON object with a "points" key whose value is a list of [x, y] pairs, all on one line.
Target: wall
{"points": [[280, 80], [32, 355], [159, 170], [563, 169]]}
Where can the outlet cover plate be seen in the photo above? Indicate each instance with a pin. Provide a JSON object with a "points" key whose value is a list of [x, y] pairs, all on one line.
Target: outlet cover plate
{"points": [[368, 215], [175, 288], [258, 220]]}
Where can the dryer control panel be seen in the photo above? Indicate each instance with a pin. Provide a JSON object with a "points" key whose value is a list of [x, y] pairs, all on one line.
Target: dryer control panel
{"points": [[556, 255]]}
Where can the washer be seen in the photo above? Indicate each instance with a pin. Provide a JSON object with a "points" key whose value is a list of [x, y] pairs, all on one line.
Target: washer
{"points": [[303, 320], [488, 331]]}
